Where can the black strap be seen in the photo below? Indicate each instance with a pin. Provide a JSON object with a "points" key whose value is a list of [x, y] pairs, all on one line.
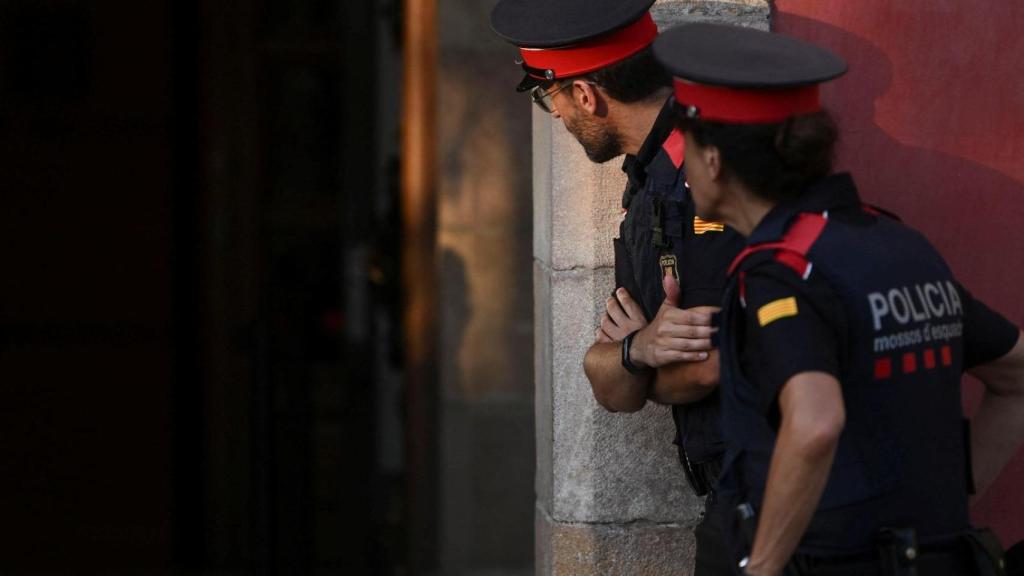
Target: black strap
{"points": [[977, 553], [1015, 559], [627, 362], [658, 222], [701, 476], [988, 552], [968, 460], [898, 551], [953, 561]]}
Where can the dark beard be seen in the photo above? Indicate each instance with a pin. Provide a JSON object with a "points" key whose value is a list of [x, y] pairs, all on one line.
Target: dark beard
{"points": [[601, 143], [605, 149]]}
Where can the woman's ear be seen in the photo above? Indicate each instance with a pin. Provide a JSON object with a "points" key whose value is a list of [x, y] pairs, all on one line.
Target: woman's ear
{"points": [[713, 160]]}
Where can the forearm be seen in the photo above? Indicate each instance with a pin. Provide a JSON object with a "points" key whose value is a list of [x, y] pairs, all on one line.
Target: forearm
{"points": [[813, 417], [685, 382], [614, 388], [795, 482]]}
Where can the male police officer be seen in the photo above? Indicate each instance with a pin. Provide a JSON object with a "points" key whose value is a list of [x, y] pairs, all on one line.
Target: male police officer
{"points": [[844, 334], [589, 63]]}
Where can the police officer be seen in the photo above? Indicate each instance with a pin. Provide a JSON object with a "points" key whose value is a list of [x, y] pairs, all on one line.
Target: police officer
{"points": [[590, 64], [843, 334]]}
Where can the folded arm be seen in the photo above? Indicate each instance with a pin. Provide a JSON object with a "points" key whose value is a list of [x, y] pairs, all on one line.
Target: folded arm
{"points": [[676, 344]]}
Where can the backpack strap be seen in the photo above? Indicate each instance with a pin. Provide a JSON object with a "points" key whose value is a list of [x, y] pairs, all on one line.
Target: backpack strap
{"points": [[791, 250], [989, 557]]}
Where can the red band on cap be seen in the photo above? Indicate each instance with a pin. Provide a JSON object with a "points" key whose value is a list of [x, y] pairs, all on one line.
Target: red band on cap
{"points": [[593, 54], [742, 106]]}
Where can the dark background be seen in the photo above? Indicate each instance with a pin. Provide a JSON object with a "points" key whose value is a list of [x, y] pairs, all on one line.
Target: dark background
{"points": [[198, 239]]}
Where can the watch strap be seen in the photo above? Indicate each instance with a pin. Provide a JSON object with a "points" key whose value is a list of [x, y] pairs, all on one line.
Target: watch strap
{"points": [[627, 363]]}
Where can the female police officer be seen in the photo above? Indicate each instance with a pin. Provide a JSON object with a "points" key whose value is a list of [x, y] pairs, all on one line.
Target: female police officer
{"points": [[844, 333]]}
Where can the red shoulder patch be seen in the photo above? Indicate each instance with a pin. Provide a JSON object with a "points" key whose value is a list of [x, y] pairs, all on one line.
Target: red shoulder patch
{"points": [[675, 147]]}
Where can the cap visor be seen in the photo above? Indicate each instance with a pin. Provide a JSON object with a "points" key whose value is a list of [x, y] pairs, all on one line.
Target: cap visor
{"points": [[528, 83]]}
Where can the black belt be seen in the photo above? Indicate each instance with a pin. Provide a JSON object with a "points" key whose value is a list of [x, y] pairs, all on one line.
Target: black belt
{"points": [[952, 560]]}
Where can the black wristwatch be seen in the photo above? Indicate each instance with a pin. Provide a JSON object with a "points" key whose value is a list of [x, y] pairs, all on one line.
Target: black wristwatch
{"points": [[627, 343]]}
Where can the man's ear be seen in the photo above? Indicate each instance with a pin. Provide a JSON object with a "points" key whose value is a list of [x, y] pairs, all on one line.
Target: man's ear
{"points": [[586, 96]]}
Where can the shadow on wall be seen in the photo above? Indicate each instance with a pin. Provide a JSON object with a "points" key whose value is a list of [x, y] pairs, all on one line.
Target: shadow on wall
{"points": [[962, 206], [966, 209]]}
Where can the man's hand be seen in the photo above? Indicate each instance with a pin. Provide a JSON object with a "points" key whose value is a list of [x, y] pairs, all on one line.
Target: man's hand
{"points": [[673, 382], [622, 317], [674, 335]]}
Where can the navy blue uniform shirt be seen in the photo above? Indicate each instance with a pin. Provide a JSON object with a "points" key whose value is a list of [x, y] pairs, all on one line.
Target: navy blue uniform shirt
{"points": [[660, 221], [877, 308]]}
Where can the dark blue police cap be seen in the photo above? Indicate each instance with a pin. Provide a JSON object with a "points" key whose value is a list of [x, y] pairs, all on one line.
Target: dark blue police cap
{"points": [[744, 76], [566, 38]]}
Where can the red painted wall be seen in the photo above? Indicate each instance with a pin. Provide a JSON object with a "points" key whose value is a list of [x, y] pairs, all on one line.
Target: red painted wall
{"points": [[932, 117]]}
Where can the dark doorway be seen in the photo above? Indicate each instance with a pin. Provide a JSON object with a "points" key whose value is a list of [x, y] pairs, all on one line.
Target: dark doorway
{"points": [[94, 312], [198, 313]]}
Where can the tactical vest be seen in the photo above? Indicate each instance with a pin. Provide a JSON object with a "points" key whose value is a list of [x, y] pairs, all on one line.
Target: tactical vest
{"points": [[659, 217], [901, 457]]}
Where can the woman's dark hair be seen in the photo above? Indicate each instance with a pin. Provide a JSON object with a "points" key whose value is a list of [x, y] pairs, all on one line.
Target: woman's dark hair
{"points": [[776, 161], [636, 78]]}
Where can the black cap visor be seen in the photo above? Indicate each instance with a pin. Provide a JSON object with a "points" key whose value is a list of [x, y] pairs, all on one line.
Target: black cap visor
{"points": [[529, 82]]}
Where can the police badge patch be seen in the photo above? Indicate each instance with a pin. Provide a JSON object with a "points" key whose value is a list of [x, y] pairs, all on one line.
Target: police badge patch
{"points": [[668, 265]]}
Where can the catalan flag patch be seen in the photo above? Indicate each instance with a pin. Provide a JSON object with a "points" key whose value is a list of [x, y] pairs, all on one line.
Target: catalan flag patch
{"points": [[776, 309], [702, 226]]}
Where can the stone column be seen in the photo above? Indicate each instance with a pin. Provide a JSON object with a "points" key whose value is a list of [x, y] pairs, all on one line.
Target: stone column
{"points": [[611, 498]]}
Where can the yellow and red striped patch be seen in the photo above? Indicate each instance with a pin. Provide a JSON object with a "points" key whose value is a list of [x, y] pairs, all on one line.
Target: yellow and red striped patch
{"points": [[701, 226], [775, 310]]}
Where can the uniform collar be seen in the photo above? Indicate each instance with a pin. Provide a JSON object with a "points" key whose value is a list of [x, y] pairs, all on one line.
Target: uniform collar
{"points": [[637, 167], [831, 193]]}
